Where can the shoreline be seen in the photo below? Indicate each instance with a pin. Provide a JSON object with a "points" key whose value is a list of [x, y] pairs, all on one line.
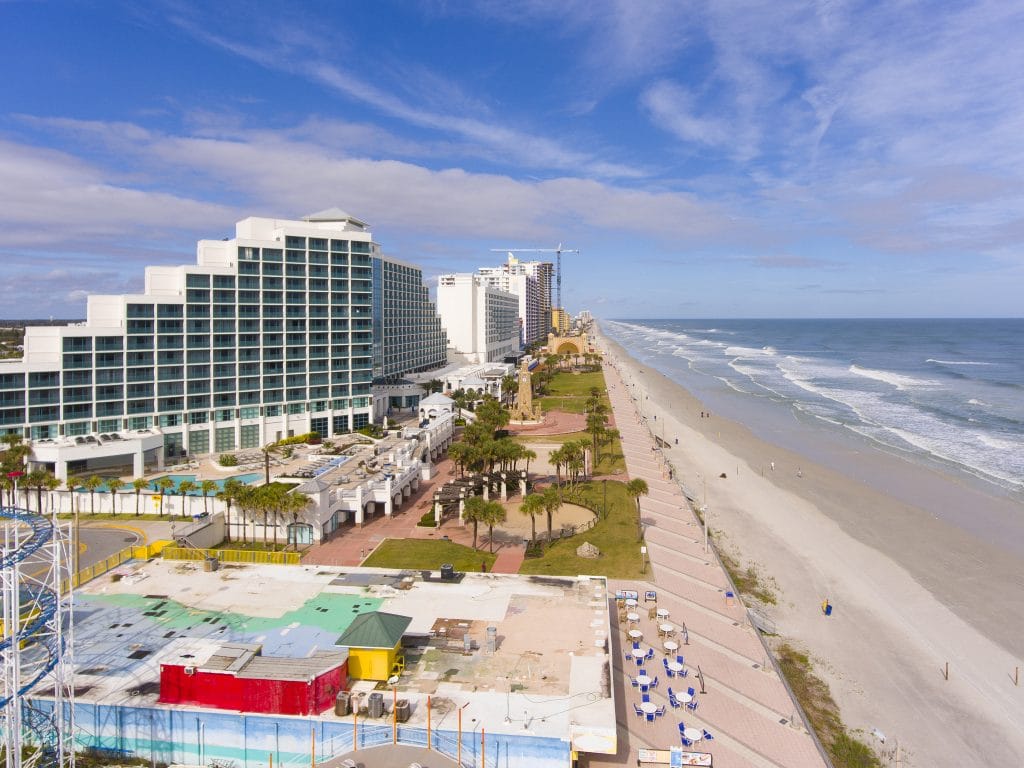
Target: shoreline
{"points": [[885, 565]]}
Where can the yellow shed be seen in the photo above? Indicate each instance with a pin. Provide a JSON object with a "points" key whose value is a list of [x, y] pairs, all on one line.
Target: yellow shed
{"points": [[374, 641]]}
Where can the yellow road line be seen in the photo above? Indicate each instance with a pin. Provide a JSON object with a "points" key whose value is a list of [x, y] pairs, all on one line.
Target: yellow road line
{"points": [[143, 539]]}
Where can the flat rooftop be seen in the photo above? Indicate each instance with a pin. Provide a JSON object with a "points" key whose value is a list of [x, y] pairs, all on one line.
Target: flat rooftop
{"points": [[546, 673]]}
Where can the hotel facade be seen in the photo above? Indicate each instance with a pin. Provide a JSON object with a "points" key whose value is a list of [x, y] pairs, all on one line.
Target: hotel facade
{"points": [[282, 330]]}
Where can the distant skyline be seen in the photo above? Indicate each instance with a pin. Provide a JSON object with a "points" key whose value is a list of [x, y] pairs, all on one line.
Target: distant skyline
{"points": [[710, 160]]}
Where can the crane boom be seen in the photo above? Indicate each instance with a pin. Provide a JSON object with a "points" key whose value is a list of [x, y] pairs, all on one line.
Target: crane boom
{"points": [[558, 264]]}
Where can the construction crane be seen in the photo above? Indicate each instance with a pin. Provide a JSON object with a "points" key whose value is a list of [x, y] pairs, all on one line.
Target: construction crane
{"points": [[558, 264]]}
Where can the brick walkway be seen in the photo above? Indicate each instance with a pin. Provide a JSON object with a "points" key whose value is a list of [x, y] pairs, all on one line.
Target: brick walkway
{"points": [[746, 707]]}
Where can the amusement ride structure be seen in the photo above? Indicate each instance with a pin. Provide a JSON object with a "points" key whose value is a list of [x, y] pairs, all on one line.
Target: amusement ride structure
{"points": [[36, 690]]}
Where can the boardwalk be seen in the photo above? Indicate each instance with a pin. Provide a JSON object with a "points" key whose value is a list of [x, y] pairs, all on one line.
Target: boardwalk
{"points": [[745, 704]]}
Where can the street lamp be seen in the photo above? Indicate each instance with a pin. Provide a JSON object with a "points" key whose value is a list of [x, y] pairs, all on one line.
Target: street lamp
{"points": [[604, 483]]}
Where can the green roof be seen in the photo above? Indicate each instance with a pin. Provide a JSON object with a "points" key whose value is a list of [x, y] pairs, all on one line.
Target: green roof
{"points": [[374, 630]]}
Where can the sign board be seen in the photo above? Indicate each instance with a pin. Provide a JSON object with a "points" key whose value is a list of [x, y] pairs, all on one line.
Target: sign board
{"points": [[650, 596], [156, 501], [675, 757], [627, 594]]}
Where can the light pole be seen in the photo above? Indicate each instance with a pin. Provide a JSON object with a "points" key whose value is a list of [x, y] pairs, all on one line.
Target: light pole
{"points": [[604, 483]]}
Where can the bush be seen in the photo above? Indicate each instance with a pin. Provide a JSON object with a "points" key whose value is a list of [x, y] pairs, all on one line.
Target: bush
{"points": [[228, 460], [313, 438], [427, 521]]}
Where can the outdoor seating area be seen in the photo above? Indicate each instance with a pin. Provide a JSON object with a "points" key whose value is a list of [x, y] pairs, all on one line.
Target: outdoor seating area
{"points": [[673, 667]]}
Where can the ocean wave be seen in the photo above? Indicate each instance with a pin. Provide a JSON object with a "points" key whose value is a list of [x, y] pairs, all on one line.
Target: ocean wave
{"points": [[895, 379], [955, 362], [752, 351], [1001, 444], [976, 401]]}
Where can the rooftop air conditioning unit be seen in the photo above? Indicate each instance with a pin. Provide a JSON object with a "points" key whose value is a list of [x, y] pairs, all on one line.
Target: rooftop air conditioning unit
{"points": [[190, 670]]}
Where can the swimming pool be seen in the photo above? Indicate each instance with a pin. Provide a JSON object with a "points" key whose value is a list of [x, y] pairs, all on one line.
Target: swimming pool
{"points": [[246, 478]]}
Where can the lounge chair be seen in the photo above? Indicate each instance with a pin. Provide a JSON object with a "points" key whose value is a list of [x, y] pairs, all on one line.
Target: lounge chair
{"points": [[636, 708], [632, 681], [691, 691], [660, 711], [654, 682], [686, 742], [650, 653], [682, 726], [650, 717], [645, 697], [692, 704], [707, 735]]}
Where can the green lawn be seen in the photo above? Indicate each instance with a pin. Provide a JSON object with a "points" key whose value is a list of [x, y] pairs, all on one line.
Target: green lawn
{"points": [[610, 460], [615, 537], [564, 438], [425, 554], [124, 517], [575, 384], [565, 404]]}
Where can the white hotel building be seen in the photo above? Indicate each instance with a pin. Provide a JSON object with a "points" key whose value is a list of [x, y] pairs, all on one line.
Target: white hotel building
{"points": [[482, 321], [283, 329]]}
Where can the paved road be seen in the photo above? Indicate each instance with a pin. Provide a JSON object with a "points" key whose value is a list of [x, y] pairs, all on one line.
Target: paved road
{"points": [[97, 543]]}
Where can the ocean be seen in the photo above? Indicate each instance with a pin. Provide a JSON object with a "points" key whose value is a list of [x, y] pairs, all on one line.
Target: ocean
{"points": [[945, 393]]}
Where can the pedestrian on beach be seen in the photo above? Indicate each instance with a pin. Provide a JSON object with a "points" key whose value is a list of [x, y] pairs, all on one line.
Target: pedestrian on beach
{"points": [[773, 466], [799, 473], [483, 566]]}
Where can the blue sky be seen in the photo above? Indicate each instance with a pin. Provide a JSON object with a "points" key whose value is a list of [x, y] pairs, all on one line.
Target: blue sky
{"points": [[726, 159]]}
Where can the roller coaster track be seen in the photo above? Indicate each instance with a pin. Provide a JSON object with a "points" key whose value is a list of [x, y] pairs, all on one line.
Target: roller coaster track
{"points": [[34, 634]]}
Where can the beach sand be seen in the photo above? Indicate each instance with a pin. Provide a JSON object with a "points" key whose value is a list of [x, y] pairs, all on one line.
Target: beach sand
{"points": [[910, 591]]}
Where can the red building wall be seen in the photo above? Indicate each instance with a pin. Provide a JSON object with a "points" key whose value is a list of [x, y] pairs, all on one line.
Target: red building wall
{"points": [[222, 690]]}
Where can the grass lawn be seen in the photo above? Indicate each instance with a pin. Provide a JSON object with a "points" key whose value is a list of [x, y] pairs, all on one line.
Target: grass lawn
{"points": [[566, 404], [564, 438], [610, 459], [255, 546], [575, 384], [124, 517], [424, 554], [615, 537]]}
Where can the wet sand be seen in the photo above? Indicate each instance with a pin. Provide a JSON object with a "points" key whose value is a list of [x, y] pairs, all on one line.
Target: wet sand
{"points": [[910, 590]]}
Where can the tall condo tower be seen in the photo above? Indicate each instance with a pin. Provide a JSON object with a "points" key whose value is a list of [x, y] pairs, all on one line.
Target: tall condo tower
{"points": [[280, 330]]}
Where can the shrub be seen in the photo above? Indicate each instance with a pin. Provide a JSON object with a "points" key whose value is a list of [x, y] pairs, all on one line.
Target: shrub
{"points": [[427, 521], [313, 438], [228, 460]]}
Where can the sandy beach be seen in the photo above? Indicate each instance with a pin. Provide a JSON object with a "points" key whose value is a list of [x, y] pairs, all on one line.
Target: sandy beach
{"points": [[910, 590]]}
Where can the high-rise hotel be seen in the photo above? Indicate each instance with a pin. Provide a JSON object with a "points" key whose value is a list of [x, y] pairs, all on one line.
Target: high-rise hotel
{"points": [[282, 330]]}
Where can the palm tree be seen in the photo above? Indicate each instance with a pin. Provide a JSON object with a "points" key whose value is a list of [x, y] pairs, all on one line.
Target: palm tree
{"points": [[494, 513], [267, 450], [207, 487], [114, 485], [636, 488], [552, 497], [13, 460], [529, 455], [558, 458], [245, 497], [228, 494], [71, 484], [185, 487], [434, 385], [91, 484], [296, 504], [474, 512], [164, 484], [462, 454], [41, 479], [508, 388], [138, 484], [532, 505]]}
